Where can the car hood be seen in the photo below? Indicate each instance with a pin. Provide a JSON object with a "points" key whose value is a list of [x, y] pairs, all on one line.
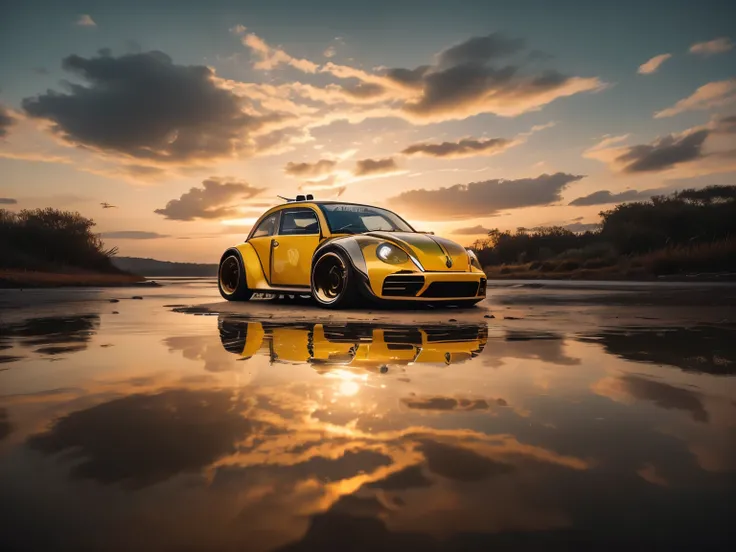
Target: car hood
{"points": [[434, 253]]}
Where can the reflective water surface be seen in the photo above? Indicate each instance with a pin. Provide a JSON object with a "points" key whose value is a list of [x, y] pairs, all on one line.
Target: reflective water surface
{"points": [[131, 426]]}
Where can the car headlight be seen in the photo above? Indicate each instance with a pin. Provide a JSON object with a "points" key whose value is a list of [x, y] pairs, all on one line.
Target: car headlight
{"points": [[474, 259], [391, 254]]}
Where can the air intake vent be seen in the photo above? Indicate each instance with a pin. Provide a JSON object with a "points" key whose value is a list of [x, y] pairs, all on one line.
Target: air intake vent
{"points": [[402, 285], [451, 290]]}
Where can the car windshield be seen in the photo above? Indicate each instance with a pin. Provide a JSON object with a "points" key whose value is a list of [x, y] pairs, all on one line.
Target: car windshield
{"points": [[355, 219]]}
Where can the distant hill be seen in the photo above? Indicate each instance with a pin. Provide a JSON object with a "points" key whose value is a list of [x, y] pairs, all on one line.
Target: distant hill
{"points": [[152, 267]]}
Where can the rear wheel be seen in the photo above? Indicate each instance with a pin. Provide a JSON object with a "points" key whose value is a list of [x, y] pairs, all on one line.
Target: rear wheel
{"points": [[231, 279], [333, 281]]}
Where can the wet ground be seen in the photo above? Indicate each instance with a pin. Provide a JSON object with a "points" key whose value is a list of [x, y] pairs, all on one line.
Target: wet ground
{"points": [[551, 416]]}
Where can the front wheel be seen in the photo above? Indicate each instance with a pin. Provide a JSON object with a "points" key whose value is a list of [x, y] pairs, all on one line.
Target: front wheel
{"points": [[231, 279], [333, 284]]}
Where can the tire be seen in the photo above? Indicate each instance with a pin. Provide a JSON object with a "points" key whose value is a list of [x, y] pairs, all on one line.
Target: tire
{"points": [[233, 335], [333, 281], [231, 278]]}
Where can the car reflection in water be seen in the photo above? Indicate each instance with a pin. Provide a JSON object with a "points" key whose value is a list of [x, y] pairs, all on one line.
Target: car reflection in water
{"points": [[356, 346]]}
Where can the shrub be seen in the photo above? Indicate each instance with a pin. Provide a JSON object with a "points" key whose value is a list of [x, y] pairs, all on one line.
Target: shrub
{"points": [[47, 239], [683, 219]]}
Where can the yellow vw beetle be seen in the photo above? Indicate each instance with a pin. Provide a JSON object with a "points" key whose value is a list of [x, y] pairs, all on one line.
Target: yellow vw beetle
{"points": [[364, 347], [341, 252]]}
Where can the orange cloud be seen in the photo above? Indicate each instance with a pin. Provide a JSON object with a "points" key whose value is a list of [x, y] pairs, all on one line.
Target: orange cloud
{"points": [[653, 64], [715, 46], [708, 96]]}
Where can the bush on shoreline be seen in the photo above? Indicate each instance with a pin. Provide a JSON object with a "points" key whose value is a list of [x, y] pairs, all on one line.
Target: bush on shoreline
{"points": [[687, 231], [50, 240]]}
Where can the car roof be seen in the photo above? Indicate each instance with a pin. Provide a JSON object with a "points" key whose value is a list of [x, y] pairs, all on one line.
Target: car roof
{"points": [[324, 202], [315, 203]]}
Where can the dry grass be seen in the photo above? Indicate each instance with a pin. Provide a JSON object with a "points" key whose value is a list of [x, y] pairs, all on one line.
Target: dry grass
{"points": [[717, 256]]}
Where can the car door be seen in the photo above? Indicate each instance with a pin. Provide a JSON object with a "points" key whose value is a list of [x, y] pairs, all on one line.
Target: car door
{"points": [[262, 239], [293, 247]]}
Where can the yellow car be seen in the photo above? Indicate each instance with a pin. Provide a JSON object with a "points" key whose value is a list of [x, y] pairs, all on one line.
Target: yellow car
{"points": [[363, 347], [341, 252]]}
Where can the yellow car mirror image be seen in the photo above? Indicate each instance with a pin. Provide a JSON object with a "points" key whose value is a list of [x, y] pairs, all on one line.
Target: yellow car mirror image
{"points": [[353, 346], [343, 254]]}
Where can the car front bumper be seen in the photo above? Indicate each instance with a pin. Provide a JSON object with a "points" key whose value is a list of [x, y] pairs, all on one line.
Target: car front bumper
{"points": [[430, 286]]}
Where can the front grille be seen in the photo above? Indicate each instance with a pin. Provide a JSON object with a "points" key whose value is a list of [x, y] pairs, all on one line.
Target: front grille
{"points": [[451, 289], [482, 288], [402, 285]]}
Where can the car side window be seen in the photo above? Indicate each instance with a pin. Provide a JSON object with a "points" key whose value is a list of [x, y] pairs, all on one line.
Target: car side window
{"points": [[299, 222], [267, 227]]}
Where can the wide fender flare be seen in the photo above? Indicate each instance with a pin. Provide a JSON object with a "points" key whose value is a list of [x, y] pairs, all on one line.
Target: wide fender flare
{"points": [[249, 261], [350, 246]]}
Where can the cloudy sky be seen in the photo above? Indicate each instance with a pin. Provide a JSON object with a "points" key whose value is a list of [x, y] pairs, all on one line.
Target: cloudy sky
{"points": [[174, 125]]}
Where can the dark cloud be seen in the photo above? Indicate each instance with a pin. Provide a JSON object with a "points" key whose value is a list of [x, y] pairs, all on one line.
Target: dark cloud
{"points": [[445, 403], [459, 463], [664, 153], [366, 167], [464, 148], [145, 106], [470, 88], [411, 78], [133, 235], [447, 89], [466, 79], [364, 90], [726, 125], [53, 335], [6, 121], [481, 49], [409, 478], [214, 200], [485, 198], [140, 440], [310, 170], [8, 201], [472, 230], [665, 395], [603, 197]]}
